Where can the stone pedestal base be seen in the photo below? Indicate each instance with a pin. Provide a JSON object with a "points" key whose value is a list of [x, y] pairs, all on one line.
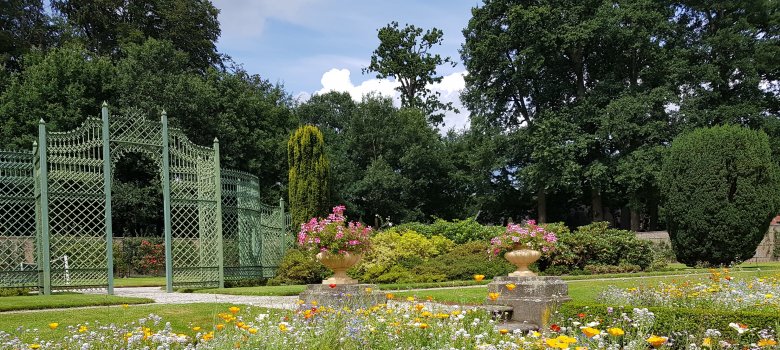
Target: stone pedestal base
{"points": [[533, 299], [341, 295]]}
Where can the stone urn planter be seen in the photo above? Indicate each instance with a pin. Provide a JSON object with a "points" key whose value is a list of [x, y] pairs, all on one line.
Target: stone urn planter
{"points": [[339, 264], [522, 258]]}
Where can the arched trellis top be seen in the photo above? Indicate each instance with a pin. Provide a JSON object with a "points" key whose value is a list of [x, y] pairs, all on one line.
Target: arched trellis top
{"points": [[69, 190]]}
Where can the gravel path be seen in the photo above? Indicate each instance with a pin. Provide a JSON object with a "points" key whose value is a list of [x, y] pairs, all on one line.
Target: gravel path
{"points": [[159, 296]]}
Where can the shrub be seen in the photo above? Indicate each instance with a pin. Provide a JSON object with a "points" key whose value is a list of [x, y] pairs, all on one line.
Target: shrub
{"points": [[459, 231], [721, 189], [466, 260], [396, 252], [597, 244], [299, 267]]}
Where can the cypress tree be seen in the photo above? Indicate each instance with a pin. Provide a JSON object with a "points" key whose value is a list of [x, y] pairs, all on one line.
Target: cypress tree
{"points": [[309, 174]]}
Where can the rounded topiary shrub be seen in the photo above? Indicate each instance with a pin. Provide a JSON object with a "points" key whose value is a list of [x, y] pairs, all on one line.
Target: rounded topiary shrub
{"points": [[721, 190]]}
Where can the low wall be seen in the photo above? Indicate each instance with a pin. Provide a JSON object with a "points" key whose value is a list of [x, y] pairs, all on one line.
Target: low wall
{"points": [[763, 251]]}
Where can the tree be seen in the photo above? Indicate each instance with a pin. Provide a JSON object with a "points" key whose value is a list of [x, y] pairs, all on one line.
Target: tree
{"points": [[404, 54], [105, 25], [23, 25], [721, 189], [309, 174]]}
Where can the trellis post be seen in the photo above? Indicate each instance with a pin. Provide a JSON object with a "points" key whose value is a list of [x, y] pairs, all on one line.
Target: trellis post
{"points": [[43, 177], [282, 222], [218, 202], [107, 190], [166, 184]]}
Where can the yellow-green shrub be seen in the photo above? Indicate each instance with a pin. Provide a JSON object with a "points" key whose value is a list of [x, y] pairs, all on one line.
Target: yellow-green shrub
{"points": [[402, 249]]}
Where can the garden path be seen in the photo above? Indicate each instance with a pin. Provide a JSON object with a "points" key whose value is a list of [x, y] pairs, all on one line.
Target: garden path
{"points": [[161, 297]]}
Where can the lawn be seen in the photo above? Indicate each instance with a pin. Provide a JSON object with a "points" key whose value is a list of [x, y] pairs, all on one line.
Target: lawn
{"points": [[139, 282], [181, 317], [36, 302]]}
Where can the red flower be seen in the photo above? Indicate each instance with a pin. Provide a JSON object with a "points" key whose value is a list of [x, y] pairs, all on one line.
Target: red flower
{"points": [[332, 285], [581, 315], [555, 328]]}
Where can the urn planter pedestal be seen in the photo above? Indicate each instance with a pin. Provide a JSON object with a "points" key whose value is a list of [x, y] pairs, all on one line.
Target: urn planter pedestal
{"points": [[339, 264], [522, 258], [340, 290], [533, 299]]}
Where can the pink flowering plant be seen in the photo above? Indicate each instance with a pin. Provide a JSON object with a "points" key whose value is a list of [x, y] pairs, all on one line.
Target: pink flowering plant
{"points": [[335, 235], [528, 235]]}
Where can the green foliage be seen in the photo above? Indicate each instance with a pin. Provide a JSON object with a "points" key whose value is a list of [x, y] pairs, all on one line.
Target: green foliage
{"points": [[298, 267], [309, 174], [721, 191], [12, 292], [466, 260], [397, 254], [598, 245], [139, 256], [404, 54], [668, 320], [459, 231]]}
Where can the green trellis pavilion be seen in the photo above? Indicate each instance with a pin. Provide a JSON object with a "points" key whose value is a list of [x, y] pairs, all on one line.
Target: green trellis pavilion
{"points": [[55, 209]]}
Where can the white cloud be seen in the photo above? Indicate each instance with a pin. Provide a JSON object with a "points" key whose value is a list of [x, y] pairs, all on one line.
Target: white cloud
{"points": [[450, 87]]}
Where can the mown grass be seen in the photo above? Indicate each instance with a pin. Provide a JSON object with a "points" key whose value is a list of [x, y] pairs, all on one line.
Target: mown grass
{"points": [[182, 318], [37, 302], [139, 282]]}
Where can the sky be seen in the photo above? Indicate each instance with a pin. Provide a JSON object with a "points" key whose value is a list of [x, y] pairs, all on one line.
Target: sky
{"points": [[316, 46]]}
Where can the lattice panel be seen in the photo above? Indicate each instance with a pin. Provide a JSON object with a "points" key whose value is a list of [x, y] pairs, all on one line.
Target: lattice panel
{"points": [[77, 208], [194, 221], [241, 225], [276, 239], [18, 261]]}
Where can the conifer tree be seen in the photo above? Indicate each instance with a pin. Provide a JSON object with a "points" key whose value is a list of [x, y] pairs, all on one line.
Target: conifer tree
{"points": [[309, 174]]}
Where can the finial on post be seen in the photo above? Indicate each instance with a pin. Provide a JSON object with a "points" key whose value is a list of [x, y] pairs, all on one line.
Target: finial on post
{"points": [[105, 104], [216, 140], [41, 121]]}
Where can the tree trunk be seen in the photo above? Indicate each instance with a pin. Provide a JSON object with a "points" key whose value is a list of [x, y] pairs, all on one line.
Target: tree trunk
{"points": [[541, 203], [652, 209], [596, 206], [634, 220], [625, 220]]}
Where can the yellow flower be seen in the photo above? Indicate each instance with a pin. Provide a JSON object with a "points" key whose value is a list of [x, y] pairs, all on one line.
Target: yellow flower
{"points": [[769, 296], [590, 332], [208, 336], [511, 286], [196, 328], [767, 342], [82, 329], [125, 306], [423, 325], [35, 346], [234, 309], [419, 307], [707, 342], [503, 331], [657, 341], [390, 296], [252, 330], [369, 289], [220, 327], [566, 339], [53, 325], [615, 332], [479, 278], [581, 348], [283, 327], [409, 298], [493, 296]]}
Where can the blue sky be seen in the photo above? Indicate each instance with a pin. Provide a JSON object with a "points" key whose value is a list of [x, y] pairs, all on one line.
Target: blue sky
{"points": [[314, 46]]}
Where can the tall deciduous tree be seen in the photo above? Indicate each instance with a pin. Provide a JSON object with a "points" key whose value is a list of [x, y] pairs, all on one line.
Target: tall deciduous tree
{"points": [[104, 25], [24, 24], [309, 174], [405, 55]]}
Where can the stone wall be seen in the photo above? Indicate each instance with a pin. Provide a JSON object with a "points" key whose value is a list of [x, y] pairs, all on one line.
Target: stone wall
{"points": [[763, 252]]}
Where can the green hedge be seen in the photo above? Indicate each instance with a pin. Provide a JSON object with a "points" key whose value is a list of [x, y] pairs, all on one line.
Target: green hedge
{"points": [[668, 320]]}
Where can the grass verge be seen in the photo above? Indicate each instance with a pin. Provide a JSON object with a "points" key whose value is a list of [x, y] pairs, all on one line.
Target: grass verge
{"points": [[38, 302], [139, 282], [182, 318]]}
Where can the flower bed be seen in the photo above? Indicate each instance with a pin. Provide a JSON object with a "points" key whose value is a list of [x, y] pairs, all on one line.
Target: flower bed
{"points": [[404, 324]]}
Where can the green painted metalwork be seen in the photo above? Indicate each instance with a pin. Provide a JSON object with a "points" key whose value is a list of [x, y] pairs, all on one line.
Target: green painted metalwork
{"points": [[18, 257], [59, 201]]}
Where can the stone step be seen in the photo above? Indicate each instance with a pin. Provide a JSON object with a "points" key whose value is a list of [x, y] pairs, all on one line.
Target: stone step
{"points": [[511, 326]]}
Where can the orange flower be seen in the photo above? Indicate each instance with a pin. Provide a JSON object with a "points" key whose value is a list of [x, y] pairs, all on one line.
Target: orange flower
{"points": [[767, 342], [590, 332], [220, 327], [511, 286], [479, 278], [493, 296], [657, 341], [390, 296], [615, 332], [503, 331]]}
